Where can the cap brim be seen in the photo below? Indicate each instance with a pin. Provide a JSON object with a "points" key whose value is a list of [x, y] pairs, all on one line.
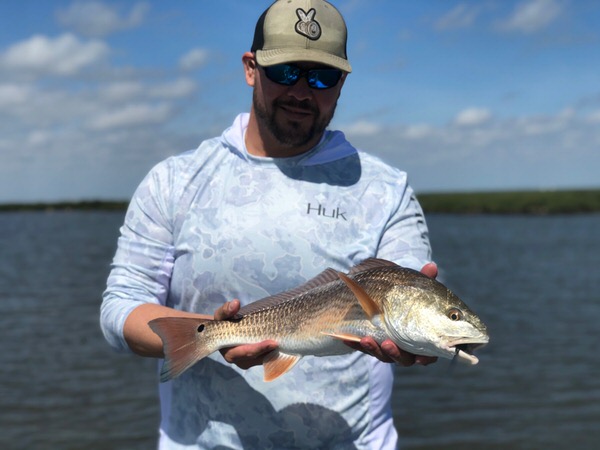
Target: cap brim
{"points": [[279, 56]]}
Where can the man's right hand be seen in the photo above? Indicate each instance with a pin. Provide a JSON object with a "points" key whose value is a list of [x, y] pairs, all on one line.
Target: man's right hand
{"points": [[246, 355]]}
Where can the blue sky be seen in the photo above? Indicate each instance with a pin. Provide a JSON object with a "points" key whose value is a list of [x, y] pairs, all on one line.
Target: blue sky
{"points": [[463, 95]]}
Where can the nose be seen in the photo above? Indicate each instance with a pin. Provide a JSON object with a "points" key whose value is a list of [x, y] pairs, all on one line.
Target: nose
{"points": [[301, 90]]}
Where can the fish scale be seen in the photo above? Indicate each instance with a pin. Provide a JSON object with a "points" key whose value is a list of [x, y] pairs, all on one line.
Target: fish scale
{"points": [[296, 324]]}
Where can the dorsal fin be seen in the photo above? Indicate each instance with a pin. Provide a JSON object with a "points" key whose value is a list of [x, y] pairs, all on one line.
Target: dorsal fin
{"points": [[368, 304], [277, 363], [371, 263], [325, 277]]}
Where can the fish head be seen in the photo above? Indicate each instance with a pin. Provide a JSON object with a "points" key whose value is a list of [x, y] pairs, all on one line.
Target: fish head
{"points": [[425, 318]]}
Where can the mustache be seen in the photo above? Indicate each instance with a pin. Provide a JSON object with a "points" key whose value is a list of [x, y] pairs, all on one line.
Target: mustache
{"points": [[305, 105]]}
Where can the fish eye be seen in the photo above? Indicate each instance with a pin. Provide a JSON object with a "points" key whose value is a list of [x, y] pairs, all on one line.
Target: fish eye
{"points": [[455, 314]]}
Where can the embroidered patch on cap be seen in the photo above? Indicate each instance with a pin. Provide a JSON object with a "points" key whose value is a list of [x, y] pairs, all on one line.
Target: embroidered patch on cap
{"points": [[307, 25]]}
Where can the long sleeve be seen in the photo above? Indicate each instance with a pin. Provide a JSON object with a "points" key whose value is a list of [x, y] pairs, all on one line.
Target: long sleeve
{"points": [[143, 262], [406, 237]]}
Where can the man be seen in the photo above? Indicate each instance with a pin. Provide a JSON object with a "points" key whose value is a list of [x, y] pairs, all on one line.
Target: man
{"points": [[266, 206]]}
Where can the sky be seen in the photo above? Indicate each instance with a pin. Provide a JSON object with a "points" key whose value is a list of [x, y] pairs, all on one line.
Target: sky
{"points": [[473, 95]]}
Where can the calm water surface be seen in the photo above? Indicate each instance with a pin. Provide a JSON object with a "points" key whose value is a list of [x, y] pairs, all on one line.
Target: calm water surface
{"points": [[534, 280]]}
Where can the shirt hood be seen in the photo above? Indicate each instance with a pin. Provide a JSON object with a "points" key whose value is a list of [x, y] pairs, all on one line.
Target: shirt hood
{"points": [[332, 146]]}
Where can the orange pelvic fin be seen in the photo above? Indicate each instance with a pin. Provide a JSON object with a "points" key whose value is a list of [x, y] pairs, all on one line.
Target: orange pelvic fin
{"points": [[368, 304], [344, 336], [181, 344], [277, 363]]}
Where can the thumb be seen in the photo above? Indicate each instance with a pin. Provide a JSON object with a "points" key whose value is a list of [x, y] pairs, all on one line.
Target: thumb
{"points": [[228, 310]]}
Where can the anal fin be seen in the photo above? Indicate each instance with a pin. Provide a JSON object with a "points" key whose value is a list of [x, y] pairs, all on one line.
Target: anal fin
{"points": [[277, 363]]}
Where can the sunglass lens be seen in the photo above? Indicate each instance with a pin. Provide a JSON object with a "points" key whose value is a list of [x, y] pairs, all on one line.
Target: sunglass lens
{"points": [[323, 78], [283, 74], [289, 75]]}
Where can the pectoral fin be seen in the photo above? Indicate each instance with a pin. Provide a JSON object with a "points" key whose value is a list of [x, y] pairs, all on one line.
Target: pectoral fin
{"points": [[343, 336], [368, 304], [277, 363]]}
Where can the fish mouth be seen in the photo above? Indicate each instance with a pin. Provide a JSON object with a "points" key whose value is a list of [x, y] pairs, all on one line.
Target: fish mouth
{"points": [[463, 351]]}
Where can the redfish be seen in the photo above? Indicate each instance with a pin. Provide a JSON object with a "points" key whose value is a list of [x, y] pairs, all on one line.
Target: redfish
{"points": [[376, 298]]}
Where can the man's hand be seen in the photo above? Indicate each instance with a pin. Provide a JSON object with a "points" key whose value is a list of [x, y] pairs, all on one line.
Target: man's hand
{"points": [[390, 352], [430, 269], [246, 355]]}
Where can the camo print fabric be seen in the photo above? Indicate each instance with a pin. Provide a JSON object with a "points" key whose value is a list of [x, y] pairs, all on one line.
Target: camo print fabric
{"points": [[215, 224]]}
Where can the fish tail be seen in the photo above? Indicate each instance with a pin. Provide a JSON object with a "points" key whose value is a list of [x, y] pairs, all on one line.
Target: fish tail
{"points": [[181, 343]]}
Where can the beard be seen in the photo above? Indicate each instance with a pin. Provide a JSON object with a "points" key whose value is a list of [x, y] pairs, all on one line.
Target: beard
{"points": [[291, 133]]}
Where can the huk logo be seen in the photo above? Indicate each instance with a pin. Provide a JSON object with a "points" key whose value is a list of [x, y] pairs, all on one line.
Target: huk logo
{"points": [[320, 210], [307, 25]]}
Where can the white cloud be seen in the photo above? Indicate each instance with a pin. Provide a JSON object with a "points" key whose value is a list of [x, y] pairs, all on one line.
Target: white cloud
{"points": [[12, 94], [39, 137], [418, 131], [194, 59], [64, 55], [362, 128], [96, 19], [594, 117], [472, 117], [527, 138], [176, 89], [125, 90], [131, 116], [120, 91], [546, 125], [532, 151], [461, 16], [532, 15]]}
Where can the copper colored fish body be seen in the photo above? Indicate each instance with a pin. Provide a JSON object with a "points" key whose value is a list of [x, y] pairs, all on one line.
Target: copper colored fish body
{"points": [[376, 298]]}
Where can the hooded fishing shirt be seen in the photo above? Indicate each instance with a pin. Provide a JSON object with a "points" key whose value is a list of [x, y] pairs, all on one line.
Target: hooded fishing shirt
{"points": [[216, 224]]}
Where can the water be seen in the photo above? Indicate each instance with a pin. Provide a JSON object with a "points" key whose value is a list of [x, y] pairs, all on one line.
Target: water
{"points": [[534, 280], [61, 387]]}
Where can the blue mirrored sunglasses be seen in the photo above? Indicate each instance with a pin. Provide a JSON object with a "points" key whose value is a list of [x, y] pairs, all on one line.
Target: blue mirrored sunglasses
{"points": [[288, 75]]}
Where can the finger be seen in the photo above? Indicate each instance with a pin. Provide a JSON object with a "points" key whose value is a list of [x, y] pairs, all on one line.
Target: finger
{"points": [[430, 269], [405, 358], [370, 346], [227, 310], [393, 352], [248, 355]]}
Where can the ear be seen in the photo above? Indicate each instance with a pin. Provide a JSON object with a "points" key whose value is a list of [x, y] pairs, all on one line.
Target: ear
{"points": [[250, 68]]}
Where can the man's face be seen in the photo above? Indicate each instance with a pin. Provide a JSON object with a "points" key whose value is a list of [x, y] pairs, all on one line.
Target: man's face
{"points": [[295, 115]]}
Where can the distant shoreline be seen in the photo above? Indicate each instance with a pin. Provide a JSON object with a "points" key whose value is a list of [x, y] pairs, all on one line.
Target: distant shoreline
{"points": [[513, 202], [83, 205], [582, 201]]}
